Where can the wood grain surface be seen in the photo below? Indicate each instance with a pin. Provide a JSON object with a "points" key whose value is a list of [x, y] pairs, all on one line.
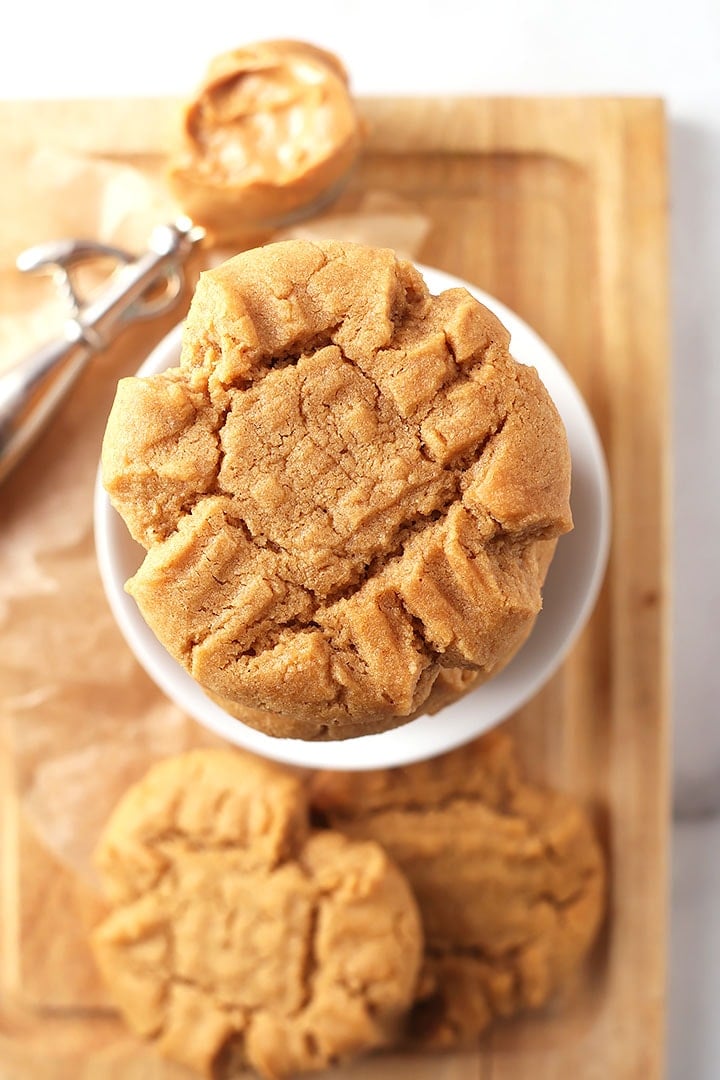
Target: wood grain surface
{"points": [[558, 208]]}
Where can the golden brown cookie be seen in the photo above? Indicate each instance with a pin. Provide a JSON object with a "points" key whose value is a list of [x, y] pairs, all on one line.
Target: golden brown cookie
{"points": [[450, 685], [509, 879], [347, 486], [237, 936], [271, 131]]}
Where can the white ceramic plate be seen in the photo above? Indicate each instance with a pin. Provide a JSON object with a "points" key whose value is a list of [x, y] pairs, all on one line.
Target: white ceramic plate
{"points": [[568, 597]]}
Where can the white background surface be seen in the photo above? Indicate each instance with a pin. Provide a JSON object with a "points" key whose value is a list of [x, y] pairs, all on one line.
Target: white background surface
{"points": [[516, 46]]}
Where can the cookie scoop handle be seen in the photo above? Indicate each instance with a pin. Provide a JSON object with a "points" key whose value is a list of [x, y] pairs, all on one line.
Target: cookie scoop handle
{"points": [[31, 391]]}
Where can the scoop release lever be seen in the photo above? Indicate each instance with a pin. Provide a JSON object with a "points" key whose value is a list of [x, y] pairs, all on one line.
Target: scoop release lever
{"points": [[32, 390]]}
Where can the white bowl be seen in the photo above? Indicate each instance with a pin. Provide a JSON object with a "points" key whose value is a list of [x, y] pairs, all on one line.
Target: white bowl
{"points": [[568, 597]]}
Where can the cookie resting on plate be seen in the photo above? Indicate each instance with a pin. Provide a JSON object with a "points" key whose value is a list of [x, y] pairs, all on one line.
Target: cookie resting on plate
{"points": [[238, 936], [347, 486]]}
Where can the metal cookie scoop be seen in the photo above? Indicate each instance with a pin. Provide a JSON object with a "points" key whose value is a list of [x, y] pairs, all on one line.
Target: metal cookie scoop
{"points": [[32, 390]]}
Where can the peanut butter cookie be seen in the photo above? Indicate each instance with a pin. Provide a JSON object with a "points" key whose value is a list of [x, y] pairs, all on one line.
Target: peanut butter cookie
{"points": [[347, 486], [509, 879], [238, 936], [451, 684]]}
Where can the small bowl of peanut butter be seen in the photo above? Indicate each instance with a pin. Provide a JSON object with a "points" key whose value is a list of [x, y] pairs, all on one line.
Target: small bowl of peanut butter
{"points": [[270, 136]]}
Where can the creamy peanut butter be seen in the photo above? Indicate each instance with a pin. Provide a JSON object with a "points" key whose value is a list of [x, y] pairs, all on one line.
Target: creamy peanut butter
{"points": [[272, 131]]}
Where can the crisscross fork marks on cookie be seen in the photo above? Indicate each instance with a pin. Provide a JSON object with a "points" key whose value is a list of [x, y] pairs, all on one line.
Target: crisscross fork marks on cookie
{"points": [[396, 483]]}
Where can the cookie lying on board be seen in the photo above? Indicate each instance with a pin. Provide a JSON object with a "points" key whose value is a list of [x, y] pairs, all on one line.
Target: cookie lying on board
{"points": [[347, 486], [240, 937], [509, 877]]}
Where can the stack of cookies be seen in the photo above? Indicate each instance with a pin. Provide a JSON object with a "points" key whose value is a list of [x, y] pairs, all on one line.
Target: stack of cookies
{"points": [[349, 492]]}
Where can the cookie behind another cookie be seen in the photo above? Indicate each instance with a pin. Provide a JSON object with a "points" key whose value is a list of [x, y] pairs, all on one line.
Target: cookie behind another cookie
{"points": [[451, 684], [239, 936], [509, 879]]}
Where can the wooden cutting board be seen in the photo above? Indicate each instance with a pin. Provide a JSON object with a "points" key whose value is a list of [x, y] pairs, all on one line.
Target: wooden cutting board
{"points": [[557, 207]]}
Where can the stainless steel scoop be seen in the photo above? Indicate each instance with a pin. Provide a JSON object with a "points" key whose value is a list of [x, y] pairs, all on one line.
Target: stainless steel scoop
{"points": [[33, 389]]}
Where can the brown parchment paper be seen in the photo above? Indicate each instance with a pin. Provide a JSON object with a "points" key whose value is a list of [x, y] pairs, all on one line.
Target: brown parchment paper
{"points": [[82, 717]]}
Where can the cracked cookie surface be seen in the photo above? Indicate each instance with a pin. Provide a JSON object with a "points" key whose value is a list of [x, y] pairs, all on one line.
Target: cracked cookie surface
{"points": [[347, 486], [238, 936], [509, 878]]}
